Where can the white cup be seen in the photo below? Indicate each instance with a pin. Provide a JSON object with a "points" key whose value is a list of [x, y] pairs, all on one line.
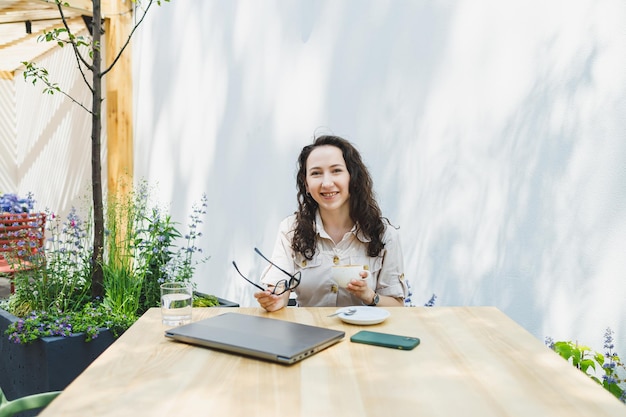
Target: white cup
{"points": [[343, 274], [176, 303]]}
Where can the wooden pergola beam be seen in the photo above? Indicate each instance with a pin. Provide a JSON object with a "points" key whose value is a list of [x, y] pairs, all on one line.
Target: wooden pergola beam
{"points": [[85, 6], [19, 11], [119, 99]]}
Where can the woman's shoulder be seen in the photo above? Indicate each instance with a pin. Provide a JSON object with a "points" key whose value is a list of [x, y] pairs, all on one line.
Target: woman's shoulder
{"points": [[288, 224], [391, 231]]}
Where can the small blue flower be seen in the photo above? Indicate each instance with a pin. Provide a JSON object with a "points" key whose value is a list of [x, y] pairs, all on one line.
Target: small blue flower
{"points": [[431, 302]]}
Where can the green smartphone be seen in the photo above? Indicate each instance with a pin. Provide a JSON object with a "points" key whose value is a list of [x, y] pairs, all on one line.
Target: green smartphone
{"points": [[393, 341]]}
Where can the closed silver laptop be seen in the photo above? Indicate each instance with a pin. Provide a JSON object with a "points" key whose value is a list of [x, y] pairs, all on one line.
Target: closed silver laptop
{"points": [[274, 340]]}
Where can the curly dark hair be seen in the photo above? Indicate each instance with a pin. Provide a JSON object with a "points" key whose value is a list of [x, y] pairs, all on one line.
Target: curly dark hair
{"points": [[364, 209]]}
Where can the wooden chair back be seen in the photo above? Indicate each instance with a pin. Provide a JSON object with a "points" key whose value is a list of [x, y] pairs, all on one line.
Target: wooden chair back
{"points": [[22, 237]]}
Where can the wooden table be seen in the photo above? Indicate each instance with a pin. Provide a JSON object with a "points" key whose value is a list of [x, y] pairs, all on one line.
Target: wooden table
{"points": [[473, 361]]}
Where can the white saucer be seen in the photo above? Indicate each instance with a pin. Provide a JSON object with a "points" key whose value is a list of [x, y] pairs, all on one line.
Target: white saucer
{"points": [[364, 315]]}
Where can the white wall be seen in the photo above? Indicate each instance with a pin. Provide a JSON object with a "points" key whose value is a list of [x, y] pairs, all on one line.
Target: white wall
{"points": [[495, 133], [45, 145], [8, 171]]}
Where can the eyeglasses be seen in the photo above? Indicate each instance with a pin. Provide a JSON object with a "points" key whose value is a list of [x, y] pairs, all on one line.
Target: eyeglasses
{"points": [[281, 286]]}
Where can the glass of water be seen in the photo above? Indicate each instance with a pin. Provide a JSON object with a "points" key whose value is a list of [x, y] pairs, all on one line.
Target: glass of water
{"points": [[176, 303]]}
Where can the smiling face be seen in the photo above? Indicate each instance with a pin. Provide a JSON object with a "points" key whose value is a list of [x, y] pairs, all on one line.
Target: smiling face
{"points": [[328, 179]]}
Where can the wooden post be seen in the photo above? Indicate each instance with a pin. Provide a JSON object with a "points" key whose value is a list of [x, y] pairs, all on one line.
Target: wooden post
{"points": [[119, 98]]}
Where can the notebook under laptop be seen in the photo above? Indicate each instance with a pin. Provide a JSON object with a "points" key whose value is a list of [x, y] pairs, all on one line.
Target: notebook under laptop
{"points": [[275, 340]]}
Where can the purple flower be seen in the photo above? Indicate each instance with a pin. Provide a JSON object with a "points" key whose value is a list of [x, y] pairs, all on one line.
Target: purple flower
{"points": [[11, 203]]}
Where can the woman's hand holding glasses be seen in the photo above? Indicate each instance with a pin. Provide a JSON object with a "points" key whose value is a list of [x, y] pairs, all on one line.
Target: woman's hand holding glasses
{"points": [[271, 302], [274, 297]]}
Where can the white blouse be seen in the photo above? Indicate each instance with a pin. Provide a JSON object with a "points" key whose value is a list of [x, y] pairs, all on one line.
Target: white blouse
{"points": [[317, 288]]}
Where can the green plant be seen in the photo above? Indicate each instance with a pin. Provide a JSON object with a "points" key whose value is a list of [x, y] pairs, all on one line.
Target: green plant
{"points": [[122, 278], [592, 362], [144, 248], [61, 278]]}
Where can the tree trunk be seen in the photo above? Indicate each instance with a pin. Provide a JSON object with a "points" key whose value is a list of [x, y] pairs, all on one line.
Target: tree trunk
{"points": [[97, 287]]}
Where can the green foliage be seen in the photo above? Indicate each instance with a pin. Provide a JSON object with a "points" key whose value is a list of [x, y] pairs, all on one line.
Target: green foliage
{"points": [[62, 37], [205, 301], [144, 248], [155, 247], [593, 363], [122, 289], [36, 73], [580, 356]]}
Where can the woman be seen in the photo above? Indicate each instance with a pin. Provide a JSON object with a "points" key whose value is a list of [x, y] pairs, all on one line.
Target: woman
{"points": [[338, 222]]}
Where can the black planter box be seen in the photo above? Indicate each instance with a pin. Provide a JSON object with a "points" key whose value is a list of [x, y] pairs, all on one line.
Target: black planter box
{"points": [[48, 364]]}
